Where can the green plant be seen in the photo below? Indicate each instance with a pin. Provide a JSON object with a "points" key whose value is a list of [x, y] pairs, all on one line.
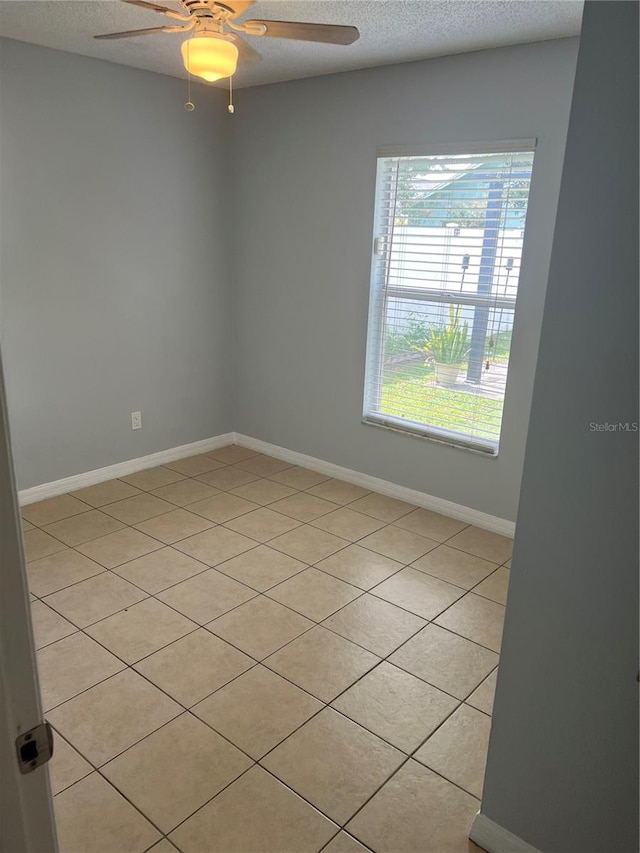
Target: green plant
{"points": [[448, 344], [402, 343]]}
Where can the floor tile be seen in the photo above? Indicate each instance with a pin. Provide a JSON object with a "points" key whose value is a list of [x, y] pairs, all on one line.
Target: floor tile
{"points": [[255, 813], [161, 569], [417, 810], [220, 514], [38, 544], [314, 594], [431, 524], [263, 491], [308, 544], [222, 507], [446, 660], [298, 478], [52, 573], [344, 843], [66, 765], [375, 624], [138, 508], [118, 548], [458, 750], [397, 544], [48, 626], [194, 465], [259, 627], [483, 543], [333, 763], [174, 525], [93, 599], [495, 586], [338, 491], [231, 453], [382, 507], [71, 665], [26, 525], [264, 466], [107, 719], [359, 566], [419, 593], [215, 546], [92, 815], [322, 663], [83, 527], [482, 697], [261, 568], [53, 509], [193, 667], [262, 524], [348, 524], [395, 705], [304, 507], [106, 493], [227, 478], [185, 492], [153, 478], [477, 619], [257, 710], [187, 764], [454, 566], [141, 630], [206, 596]]}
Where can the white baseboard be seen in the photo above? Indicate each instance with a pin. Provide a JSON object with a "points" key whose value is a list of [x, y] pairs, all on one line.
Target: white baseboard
{"points": [[495, 838], [422, 499], [121, 469]]}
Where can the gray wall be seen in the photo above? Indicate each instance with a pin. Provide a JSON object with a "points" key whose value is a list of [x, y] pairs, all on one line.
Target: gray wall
{"points": [[304, 191], [117, 291], [113, 267], [563, 758]]}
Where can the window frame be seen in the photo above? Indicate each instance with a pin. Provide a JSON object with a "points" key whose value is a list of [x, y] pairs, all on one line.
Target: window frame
{"points": [[380, 292]]}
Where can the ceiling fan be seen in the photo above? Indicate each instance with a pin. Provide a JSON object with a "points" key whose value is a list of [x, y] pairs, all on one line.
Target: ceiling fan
{"points": [[211, 51]]}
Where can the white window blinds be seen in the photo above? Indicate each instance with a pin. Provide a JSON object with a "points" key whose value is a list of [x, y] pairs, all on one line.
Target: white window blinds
{"points": [[448, 235]]}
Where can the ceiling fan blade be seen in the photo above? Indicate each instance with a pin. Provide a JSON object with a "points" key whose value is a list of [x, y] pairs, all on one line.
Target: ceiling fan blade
{"points": [[239, 7], [326, 33], [246, 53], [130, 33], [145, 5]]}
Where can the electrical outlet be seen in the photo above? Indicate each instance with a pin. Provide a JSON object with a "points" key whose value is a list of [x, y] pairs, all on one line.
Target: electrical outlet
{"points": [[136, 420]]}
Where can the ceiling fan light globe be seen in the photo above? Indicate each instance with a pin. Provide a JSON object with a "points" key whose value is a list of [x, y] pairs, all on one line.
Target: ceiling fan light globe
{"points": [[210, 57]]}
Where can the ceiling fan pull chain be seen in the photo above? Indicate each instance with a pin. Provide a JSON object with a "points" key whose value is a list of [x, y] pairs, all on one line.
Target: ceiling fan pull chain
{"points": [[231, 108], [189, 106]]}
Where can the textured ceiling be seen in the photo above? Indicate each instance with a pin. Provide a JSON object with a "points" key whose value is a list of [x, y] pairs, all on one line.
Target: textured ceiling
{"points": [[391, 31]]}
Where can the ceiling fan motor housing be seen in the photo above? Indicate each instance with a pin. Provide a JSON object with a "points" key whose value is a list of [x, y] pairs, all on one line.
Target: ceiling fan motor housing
{"points": [[207, 9]]}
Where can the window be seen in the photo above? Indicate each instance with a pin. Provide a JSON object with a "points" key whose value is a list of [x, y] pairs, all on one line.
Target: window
{"points": [[448, 234]]}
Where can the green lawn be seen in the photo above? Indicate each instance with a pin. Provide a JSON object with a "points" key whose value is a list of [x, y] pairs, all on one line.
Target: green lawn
{"points": [[411, 393]]}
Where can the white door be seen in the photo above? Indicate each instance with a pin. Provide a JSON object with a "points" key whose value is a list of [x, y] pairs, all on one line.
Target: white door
{"points": [[26, 808]]}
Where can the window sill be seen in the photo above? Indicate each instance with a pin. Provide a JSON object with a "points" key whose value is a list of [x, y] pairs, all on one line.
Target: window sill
{"points": [[415, 430]]}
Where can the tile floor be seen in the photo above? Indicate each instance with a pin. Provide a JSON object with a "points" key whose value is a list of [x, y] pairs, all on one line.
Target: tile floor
{"points": [[243, 656]]}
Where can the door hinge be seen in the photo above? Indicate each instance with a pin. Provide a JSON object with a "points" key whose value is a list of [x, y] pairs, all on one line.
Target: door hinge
{"points": [[34, 747]]}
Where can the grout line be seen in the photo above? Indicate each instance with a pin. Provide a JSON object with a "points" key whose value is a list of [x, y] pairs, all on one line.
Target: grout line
{"points": [[395, 773], [111, 785], [343, 831]]}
